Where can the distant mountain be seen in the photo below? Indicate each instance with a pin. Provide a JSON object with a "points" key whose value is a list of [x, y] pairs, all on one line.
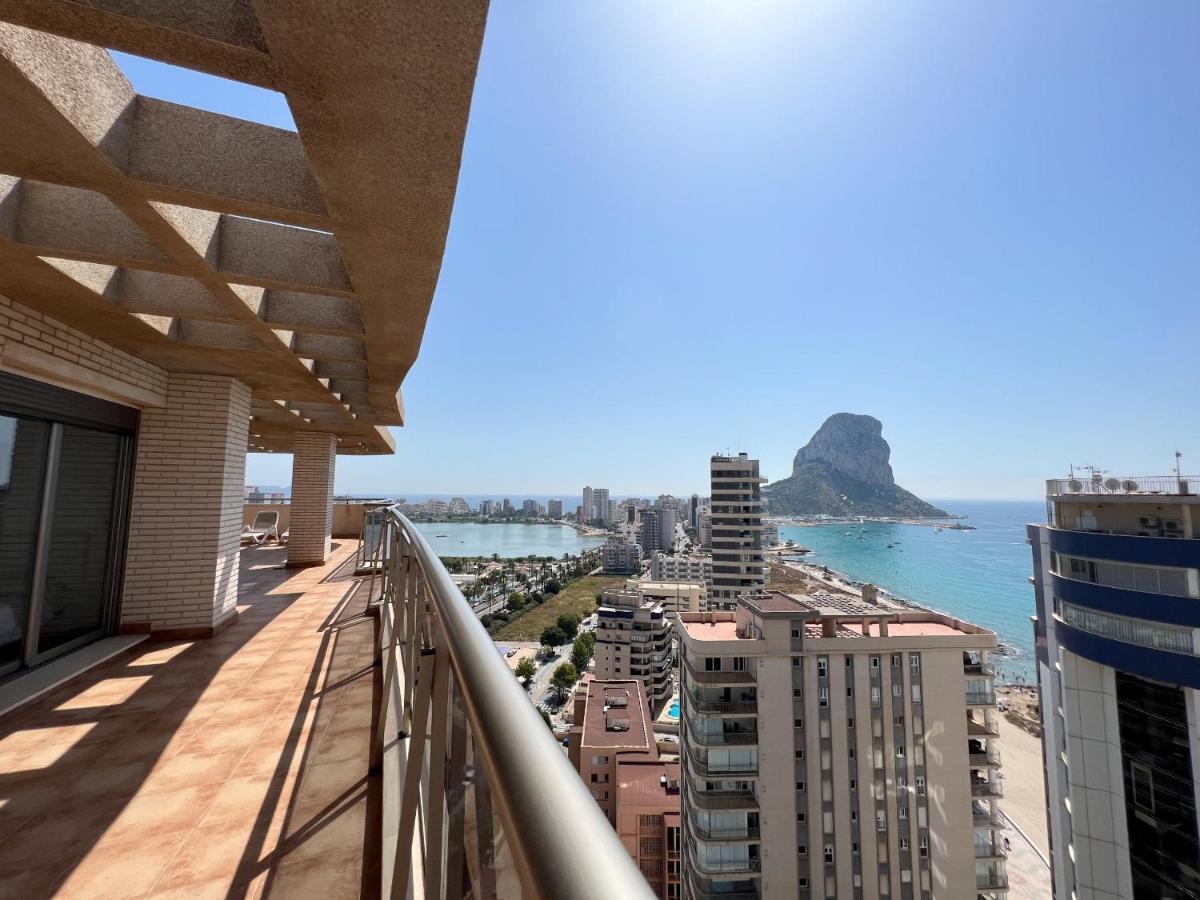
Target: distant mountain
{"points": [[844, 471]]}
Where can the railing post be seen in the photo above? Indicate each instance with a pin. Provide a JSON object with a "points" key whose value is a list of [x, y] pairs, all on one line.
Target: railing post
{"points": [[410, 798], [435, 804]]}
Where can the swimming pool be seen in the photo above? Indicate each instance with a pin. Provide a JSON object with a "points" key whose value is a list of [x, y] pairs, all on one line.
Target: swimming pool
{"points": [[673, 712]]}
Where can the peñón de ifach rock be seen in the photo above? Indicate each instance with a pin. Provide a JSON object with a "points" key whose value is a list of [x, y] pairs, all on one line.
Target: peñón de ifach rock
{"points": [[844, 471]]}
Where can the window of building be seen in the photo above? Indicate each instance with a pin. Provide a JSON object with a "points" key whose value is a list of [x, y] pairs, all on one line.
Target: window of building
{"points": [[897, 690], [802, 850], [850, 721], [898, 720], [799, 754], [854, 815], [900, 751], [799, 723], [923, 846], [822, 666], [914, 661], [875, 698], [916, 693], [849, 690], [897, 660], [874, 662], [854, 849], [801, 817], [902, 813], [800, 786], [921, 785], [823, 696], [903, 843], [803, 883], [1133, 631], [795, 662], [851, 752], [829, 854], [798, 693], [849, 662]]}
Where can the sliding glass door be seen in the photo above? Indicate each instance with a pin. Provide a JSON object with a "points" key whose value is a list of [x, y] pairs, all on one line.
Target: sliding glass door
{"points": [[63, 497]]}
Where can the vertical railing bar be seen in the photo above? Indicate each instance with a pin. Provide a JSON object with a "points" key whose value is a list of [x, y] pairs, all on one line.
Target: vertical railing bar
{"points": [[435, 837], [410, 797], [485, 840], [456, 791]]}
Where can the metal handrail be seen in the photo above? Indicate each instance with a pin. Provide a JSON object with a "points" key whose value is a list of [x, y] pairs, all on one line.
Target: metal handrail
{"points": [[441, 661]]}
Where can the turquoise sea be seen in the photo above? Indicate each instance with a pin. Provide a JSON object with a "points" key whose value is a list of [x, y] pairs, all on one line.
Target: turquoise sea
{"points": [[505, 539], [981, 576]]}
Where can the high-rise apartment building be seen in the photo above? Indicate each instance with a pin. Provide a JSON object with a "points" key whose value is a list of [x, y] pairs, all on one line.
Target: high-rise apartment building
{"points": [[664, 567], [612, 746], [693, 511], [657, 530], [704, 527], [831, 749], [633, 640], [619, 557], [554, 509], [1117, 588], [588, 505], [600, 506], [529, 507], [487, 507], [736, 518]]}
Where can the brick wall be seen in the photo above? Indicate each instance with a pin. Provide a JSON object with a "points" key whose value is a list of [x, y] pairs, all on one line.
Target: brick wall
{"points": [[311, 521], [20, 325], [182, 567]]}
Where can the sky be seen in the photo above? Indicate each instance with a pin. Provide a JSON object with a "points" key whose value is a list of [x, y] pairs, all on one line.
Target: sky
{"points": [[692, 226]]}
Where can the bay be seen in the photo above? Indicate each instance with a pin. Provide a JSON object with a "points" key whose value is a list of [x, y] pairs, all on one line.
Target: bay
{"points": [[505, 539], [981, 576]]}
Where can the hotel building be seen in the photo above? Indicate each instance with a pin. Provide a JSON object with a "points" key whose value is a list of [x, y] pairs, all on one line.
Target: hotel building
{"points": [[633, 640], [1117, 585], [736, 522], [833, 749], [673, 596]]}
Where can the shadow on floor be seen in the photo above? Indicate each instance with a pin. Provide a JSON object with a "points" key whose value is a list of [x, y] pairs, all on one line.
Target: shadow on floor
{"points": [[235, 766]]}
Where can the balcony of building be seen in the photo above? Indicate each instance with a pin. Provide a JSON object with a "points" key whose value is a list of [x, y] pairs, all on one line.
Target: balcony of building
{"points": [[722, 800], [723, 676], [720, 703], [984, 789], [273, 758], [980, 755], [985, 817], [723, 827], [983, 727]]}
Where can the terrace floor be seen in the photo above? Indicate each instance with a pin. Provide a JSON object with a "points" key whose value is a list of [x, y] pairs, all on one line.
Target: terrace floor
{"points": [[232, 767]]}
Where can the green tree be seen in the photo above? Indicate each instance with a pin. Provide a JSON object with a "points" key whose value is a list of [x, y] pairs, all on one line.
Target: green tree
{"points": [[526, 669], [553, 636], [535, 598], [568, 623], [563, 679], [552, 586], [581, 652], [516, 600]]}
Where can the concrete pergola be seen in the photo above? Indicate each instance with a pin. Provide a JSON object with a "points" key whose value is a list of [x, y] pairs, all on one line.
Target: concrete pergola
{"points": [[300, 265]]}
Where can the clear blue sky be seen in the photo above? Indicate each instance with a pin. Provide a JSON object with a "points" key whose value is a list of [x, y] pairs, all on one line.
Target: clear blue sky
{"points": [[690, 226]]}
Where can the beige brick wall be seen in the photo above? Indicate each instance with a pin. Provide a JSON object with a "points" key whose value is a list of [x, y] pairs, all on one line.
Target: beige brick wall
{"points": [[184, 538], [41, 336], [311, 521]]}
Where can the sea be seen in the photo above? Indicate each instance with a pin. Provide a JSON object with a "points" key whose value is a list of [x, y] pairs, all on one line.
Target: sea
{"points": [[981, 576], [504, 539]]}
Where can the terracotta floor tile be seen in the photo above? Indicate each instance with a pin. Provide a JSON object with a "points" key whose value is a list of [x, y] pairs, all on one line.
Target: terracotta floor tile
{"points": [[162, 812], [192, 768], [122, 869]]}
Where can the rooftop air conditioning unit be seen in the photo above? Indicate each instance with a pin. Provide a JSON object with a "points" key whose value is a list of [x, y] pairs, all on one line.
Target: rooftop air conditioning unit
{"points": [[1172, 525], [1112, 484], [1075, 485], [1148, 521], [1130, 486]]}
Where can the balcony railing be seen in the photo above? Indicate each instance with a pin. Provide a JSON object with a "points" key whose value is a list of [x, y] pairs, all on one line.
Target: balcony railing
{"points": [[476, 792], [986, 789], [987, 760], [746, 769], [983, 729], [722, 800], [721, 707], [981, 698], [1177, 485], [722, 739], [703, 677]]}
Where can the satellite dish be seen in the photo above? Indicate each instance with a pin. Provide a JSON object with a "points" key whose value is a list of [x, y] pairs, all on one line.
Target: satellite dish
{"points": [[1075, 485], [1130, 485], [1112, 484]]}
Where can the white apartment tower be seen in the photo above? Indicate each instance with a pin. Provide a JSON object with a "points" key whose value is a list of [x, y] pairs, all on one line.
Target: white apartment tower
{"points": [[588, 505], [633, 640], [834, 749], [736, 521]]}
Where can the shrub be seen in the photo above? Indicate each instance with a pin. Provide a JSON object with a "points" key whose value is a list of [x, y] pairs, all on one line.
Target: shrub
{"points": [[552, 586], [553, 636]]}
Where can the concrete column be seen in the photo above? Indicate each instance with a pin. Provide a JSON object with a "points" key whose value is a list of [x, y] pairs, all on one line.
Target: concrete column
{"points": [[181, 571], [310, 523]]}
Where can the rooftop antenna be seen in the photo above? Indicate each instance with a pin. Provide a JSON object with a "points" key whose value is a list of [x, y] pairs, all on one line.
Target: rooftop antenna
{"points": [[1178, 457]]}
